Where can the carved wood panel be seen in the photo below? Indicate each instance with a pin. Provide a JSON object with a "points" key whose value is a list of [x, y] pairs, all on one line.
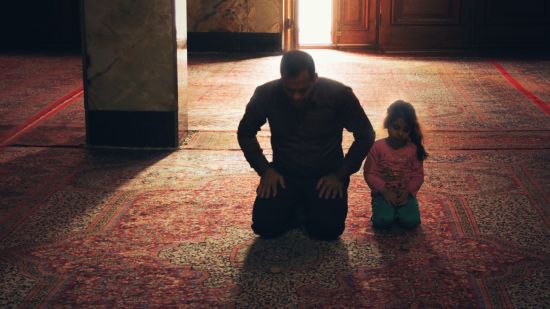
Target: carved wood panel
{"points": [[354, 15], [355, 22], [424, 24], [425, 12]]}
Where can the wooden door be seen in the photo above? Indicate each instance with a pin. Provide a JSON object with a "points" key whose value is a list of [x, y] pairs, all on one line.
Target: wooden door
{"points": [[424, 24], [355, 23]]}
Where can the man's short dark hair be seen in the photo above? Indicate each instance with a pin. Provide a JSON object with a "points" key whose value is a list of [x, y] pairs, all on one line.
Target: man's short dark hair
{"points": [[295, 62]]}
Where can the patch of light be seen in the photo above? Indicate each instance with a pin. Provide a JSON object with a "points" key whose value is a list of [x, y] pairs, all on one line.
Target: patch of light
{"points": [[315, 22], [181, 20]]}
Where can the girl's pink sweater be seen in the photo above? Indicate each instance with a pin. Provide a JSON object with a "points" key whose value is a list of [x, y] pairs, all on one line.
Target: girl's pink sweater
{"points": [[393, 168]]}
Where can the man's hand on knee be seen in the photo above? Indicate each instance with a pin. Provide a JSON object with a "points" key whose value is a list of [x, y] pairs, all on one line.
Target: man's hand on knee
{"points": [[269, 182], [330, 187]]}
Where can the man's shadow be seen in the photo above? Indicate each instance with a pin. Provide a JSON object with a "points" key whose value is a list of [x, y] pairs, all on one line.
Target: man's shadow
{"points": [[411, 267], [281, 272]]}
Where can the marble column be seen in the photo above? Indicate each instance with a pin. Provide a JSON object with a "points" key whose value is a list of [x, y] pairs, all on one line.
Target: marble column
{"points": [[131, 73], [181, 40]]}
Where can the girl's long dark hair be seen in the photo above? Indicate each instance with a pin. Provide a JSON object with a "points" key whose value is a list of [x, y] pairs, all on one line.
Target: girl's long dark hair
{"points": [[405, 111]]}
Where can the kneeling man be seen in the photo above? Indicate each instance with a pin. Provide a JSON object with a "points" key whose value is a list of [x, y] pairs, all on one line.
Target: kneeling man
{"points": [[306, 183]]}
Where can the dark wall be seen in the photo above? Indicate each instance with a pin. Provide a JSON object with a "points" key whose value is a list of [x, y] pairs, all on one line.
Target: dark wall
{"points": [[40, 24], [512, 23], [464, 24]]}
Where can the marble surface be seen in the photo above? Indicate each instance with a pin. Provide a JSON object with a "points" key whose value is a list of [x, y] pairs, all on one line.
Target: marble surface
{"points": [[183, 89], [181, 23], [264, 16], [183, 93], [131, 57]]}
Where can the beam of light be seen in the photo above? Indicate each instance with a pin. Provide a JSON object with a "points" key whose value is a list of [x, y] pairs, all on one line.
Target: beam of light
{"points": [[315, 22], [181, 19]]}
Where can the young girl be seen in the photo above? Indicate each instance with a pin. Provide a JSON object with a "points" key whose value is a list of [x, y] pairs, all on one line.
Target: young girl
{"points": [[394, 171]]}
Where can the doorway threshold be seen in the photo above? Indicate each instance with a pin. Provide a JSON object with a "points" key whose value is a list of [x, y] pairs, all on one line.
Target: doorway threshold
{"points": [[317, 46]]}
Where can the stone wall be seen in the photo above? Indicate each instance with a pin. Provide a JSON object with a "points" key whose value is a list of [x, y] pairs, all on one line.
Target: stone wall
{"points": [[263, 16]]}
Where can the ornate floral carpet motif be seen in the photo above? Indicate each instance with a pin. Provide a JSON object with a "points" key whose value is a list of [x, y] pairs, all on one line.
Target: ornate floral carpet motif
{"points": [[117, 229], [83, 228]]}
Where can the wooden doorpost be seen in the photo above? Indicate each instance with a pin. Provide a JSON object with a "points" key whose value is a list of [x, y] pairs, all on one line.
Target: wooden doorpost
{"points": [[290, 30]]}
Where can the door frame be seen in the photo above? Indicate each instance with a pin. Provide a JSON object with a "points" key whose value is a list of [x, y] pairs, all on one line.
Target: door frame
{"points": [[291, 25], [290, 30]]}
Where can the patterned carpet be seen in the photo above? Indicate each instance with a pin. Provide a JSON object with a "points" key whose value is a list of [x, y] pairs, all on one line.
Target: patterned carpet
{"points": [[29, 83], [84, 228], [451, 94], [452, 140]]}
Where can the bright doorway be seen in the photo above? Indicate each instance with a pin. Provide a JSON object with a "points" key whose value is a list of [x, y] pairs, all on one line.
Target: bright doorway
{"points": [[314, 23]]}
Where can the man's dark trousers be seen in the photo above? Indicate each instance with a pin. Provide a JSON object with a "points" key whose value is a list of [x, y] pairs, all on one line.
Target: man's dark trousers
{"points": [[300, 203]]}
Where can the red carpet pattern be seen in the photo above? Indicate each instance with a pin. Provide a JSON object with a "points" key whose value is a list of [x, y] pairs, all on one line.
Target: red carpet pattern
{"points": [[63, 128], [451, 94], [29, 83], [454, 140], [88, 228], [174, 230]]}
